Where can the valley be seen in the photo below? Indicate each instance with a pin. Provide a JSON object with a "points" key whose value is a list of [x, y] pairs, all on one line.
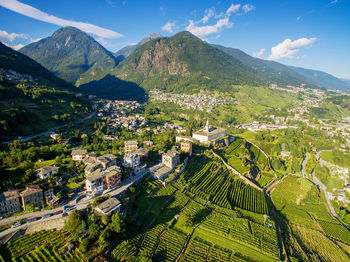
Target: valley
{"points": [[171, 149]]}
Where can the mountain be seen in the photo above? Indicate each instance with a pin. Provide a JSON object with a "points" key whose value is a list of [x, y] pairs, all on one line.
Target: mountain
{"points": [[128, 50], [32, 99], [347, 81], [322, 78], [72, 55], [183, 62], [269, 70]]}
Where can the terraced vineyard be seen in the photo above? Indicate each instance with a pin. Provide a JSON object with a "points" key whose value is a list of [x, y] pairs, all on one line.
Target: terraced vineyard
{"points": [[150, 240], [43, 246], [213, 181], [196, 251], [170, 246], [335, 230], [243, 231]]}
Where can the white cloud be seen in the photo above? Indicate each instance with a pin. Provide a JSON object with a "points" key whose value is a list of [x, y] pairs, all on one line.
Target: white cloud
{"points": [[259, 53], [203, 31], [35, 13], [169, 27], [101, 40], [298, 18], [334, 2], [9, 37], [15, 47], [288, 48], [247, 8], [208, 14], [233, 8]]}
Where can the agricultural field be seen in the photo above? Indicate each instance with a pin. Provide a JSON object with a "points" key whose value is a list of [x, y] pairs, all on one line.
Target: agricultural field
{"points": [[212, 181], [254, 235], [170, 245], [43, 246], [335, 230], [248, 160]]}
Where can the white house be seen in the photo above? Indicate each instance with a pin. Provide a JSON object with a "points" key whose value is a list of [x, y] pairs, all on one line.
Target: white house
{"points": [[131, 160], [46, 171]]}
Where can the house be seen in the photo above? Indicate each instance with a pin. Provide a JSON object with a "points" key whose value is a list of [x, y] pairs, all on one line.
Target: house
{"points": [[32, 195], [46, 171], [99, 163], [147, 143], [108, 207], [100, 180], [142, 152], [131, 160], [209, 134], [171, 159], [49, 195], [79, 154], [9, 203], [130, 145], [286, 154], [341, 195], [169, 162], [186, 146], [54, 136]]}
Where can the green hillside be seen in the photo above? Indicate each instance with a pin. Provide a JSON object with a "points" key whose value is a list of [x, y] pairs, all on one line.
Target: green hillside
{"points": [[184, 63], [72, 55], [29, 106]]}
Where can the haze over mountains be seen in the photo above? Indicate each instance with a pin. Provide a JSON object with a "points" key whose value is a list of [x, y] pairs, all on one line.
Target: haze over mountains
{"points": [[181, 63]]}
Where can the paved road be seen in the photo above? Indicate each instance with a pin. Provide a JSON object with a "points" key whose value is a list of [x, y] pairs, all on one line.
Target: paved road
{"points": [[303, 165], [46, 133], [80, 204], [318, 182]]}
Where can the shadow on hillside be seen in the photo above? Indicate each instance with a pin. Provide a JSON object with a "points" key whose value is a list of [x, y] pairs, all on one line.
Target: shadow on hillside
{"points": [[111, 87]]}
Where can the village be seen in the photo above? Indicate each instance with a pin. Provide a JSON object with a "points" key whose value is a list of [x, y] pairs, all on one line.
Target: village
{"points": [[202, 102], [103, 173]]}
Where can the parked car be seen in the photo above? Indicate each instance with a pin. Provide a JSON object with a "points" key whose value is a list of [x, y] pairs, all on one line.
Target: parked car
{"points": [[46, 216], [58, 212], [33, 219], [64, 214], [16, 225]]}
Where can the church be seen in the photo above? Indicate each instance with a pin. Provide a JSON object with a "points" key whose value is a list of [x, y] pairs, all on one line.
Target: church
{"points": [[209, 134]]}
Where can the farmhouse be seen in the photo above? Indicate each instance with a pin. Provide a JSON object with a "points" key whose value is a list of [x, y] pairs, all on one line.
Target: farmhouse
{"points": [[209, 134], [46, 171]]}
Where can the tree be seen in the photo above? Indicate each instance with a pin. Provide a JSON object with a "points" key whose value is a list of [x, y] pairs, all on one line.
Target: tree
{"points": [[117, 224], [84, 245], [105, 220], [103, 238], [94, 230], [73, 224]]}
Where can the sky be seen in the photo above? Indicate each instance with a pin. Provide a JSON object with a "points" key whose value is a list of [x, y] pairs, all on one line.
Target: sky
{"points": [[306, 33]]}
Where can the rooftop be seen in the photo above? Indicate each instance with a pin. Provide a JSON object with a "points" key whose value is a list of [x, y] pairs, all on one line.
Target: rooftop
{"points": [[108, 206], [79, 152], [9, 195], [30, 189], [46, 169], [130, 142]]}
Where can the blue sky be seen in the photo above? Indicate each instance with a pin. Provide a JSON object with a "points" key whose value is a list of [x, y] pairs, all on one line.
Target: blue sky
{"points": [[311, 33]]}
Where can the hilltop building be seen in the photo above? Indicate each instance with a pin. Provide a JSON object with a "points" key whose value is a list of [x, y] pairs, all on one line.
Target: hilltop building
{"points": [[170, 161], [209, 134]]}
